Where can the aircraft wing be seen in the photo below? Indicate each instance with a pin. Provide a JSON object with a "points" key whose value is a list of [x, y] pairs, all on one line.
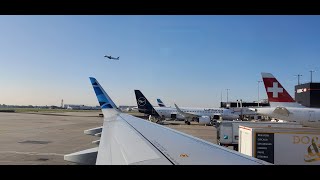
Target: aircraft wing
{"points": [[128, 140], [184, 114]]}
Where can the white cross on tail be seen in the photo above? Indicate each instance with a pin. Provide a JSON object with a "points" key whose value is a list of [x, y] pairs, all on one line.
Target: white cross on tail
{"points": [[275, 90]]}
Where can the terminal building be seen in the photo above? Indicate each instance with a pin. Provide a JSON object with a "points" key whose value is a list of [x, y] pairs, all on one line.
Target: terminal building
{"points": [[242, 108], [243, 104], [308, 94]]}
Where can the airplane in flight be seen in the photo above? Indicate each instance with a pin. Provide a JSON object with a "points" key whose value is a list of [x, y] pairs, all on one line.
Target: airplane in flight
{"points": [[282, 105], [129, 140], [198, 114], [110, 57]]}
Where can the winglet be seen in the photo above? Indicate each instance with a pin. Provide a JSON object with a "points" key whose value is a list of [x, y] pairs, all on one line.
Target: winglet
{"points": [[181, 112], [178, 109], [185, 114], [104, 100]]}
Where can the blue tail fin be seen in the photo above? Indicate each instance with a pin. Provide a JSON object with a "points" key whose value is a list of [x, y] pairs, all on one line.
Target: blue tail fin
{"points": [[104, 100], [144, 106], [160, 103]]}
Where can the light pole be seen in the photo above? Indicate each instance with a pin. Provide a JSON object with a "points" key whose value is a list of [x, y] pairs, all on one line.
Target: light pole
{"points": [[259, 92], [298, 75], [311, 74], [227, 95]]}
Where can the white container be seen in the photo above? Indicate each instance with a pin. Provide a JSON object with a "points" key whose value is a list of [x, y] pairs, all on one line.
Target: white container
{"points": [[228, 131], [281, 146]]}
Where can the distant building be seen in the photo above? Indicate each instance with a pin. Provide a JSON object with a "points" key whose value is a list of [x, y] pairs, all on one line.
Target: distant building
{"points": [[245, 112], [80, 107], [54, 107]]}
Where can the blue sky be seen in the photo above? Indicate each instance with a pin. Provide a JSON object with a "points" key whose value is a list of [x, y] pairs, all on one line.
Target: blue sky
{"points": [[188, 60]]}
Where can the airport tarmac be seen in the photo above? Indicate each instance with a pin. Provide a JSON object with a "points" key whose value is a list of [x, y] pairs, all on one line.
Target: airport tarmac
{"points": [[44, 138]]}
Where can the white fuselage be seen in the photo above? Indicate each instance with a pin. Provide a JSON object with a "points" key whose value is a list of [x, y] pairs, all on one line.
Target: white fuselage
{"points": [[303, 115], [169, 112]]}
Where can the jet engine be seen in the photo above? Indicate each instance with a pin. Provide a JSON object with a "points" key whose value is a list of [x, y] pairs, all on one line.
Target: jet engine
{"points": [[204, 120]]}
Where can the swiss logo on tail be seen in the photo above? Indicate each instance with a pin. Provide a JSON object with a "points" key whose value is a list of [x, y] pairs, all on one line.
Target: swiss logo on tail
{"points": [[275, 91]]}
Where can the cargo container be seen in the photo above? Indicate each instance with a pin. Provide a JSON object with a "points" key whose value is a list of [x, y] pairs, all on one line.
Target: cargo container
{"points": [[228, 131], [281, 146]]}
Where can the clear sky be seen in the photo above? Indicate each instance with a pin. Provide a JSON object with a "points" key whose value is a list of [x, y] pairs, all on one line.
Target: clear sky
{"points": [[188, 60]]}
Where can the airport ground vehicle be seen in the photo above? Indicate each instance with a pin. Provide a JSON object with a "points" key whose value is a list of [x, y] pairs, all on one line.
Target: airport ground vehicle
{"points": [[228, 131], [281, 145]]}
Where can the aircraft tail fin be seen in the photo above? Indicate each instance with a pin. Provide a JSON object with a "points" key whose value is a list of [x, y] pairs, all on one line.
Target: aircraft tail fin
{"points": [[144, 106], [104, 100], [277, 95], [160, 103]]}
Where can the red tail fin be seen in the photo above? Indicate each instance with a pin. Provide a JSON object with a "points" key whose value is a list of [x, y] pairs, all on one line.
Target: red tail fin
{"points": [[275, 91]]}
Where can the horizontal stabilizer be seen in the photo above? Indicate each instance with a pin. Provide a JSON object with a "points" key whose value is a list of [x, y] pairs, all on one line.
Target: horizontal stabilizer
{"points": [[93, 131], [87, 157]]}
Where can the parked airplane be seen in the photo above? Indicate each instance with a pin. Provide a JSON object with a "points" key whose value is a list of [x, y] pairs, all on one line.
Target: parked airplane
{"points": [[282, 105], [110, 57], [128, 140], [190, 116], [145, 106]]}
